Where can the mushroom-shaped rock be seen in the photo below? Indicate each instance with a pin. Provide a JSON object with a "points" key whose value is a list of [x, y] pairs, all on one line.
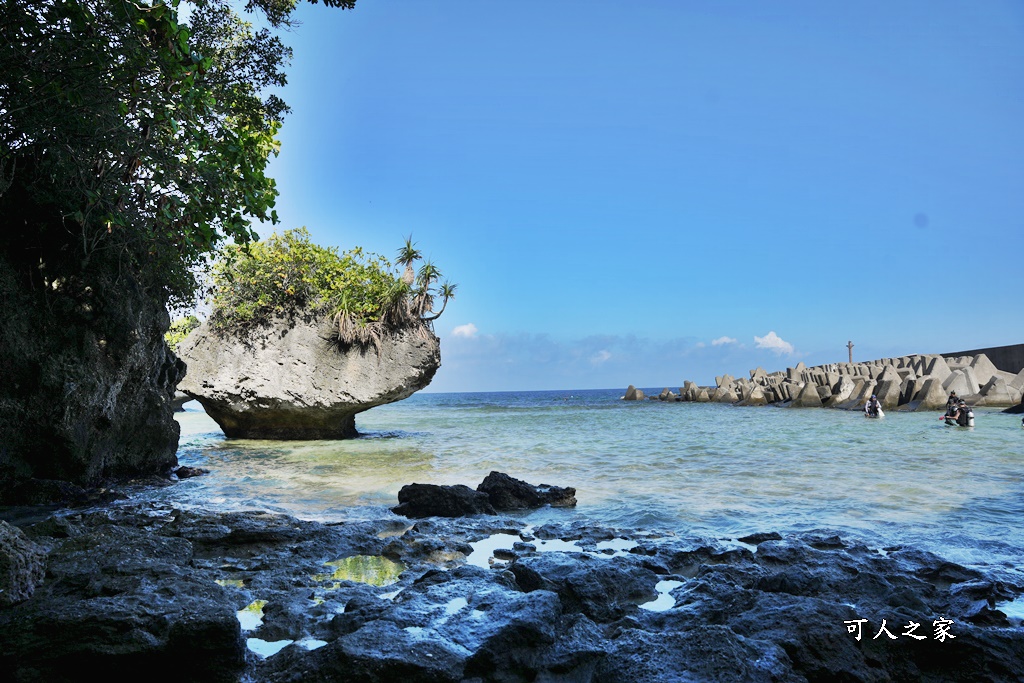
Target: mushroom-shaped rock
{"points": [[507, 493], [291, 380]]}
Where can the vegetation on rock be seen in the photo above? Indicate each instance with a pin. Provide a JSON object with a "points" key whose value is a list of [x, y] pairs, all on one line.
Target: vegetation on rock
{"points": [[287, 274]]}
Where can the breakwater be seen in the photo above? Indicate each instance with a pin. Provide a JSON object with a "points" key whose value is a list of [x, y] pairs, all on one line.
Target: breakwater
{"points": [[915, 382]]}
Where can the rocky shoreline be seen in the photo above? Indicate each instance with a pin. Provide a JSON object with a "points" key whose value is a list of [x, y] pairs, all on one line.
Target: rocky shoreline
{"points": [[907, 383], [136, 590]]}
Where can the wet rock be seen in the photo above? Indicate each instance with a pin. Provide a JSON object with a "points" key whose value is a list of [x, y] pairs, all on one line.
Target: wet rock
{"points": [[122, 599], [431, 500], [507, 493], [754, 539], [133, 589]]}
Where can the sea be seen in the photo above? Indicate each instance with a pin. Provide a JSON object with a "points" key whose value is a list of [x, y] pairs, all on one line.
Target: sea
{"points": [[696, 470]]}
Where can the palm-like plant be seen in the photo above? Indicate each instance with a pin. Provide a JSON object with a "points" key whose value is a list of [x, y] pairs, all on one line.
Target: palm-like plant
{"points": [[428, 275], [407, 255], [407, 304], [446, 292]]}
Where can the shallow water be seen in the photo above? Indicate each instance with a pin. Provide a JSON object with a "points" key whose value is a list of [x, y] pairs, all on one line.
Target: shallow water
{"points": [[694, 469]]}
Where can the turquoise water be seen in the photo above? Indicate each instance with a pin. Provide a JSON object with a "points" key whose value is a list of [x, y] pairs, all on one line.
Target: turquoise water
{"points": [[692, 469]]}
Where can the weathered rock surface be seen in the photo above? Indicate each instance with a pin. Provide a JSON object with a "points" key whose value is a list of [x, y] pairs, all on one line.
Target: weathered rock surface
{"points": [[433, 500], [22, 565], [506, 493], [135, 591], [86, 382], [290, 380], [498, 492]]}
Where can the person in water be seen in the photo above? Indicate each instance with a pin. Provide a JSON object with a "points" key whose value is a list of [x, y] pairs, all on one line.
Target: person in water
{"points": [[962, 414], [872, 407], [951, 403]]}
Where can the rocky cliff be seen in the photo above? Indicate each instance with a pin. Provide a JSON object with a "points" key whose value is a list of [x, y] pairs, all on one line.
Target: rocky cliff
{"points": [[291, 380], [86, 383]]}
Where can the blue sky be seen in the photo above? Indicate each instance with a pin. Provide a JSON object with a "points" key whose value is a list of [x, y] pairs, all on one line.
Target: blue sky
{"points": [[648, 192]]}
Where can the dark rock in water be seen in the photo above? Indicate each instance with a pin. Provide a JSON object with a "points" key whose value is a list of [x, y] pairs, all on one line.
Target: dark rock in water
{"points": [[755, 539], [431, 500], [134, 590], [185, 472], [1017, 409], [506, 493]]}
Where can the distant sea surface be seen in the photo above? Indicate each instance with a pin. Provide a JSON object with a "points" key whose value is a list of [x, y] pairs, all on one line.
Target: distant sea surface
{"points": [[704, 470]]}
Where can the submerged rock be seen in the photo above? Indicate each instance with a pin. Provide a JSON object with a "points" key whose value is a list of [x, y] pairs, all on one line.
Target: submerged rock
{"points": [[291, 380]]}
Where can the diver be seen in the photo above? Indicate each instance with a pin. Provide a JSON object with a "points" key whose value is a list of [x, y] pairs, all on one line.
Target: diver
{"points": [[964, 415], [951, 403], [872, 407]]}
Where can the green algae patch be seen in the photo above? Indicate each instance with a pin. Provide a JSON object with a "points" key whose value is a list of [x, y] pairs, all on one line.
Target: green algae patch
{"points": [[372, 569], [231, 583]]}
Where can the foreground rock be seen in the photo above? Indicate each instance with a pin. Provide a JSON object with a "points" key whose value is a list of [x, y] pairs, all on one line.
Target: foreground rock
{"points": [[139, 591], [290, 380], [22, 565], [498, 492]]}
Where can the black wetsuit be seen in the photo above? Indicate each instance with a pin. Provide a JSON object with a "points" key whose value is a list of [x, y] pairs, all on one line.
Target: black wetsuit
{"points": [[962, 416]]}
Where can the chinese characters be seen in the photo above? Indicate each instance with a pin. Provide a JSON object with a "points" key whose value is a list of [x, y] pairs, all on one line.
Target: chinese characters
{"points": [[941, 630]]}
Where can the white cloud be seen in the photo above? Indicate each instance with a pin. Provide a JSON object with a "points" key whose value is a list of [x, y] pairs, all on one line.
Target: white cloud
{"points": [[468, 331], [774, 343], [725, 340], [600, 357]]}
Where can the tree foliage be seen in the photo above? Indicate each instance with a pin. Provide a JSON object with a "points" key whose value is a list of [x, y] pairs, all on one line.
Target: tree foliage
{"points": [[180, 329], [132, 143], [287, 274]]}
